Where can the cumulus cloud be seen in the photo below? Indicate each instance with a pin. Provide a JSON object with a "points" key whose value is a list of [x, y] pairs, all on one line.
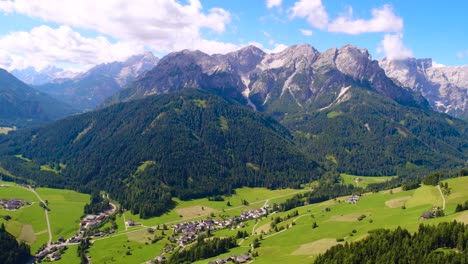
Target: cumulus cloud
{"points": [[306, 32], [312, 10], [383, 20], [392, 47], [272, 3], [163, 25], [44, 45]]}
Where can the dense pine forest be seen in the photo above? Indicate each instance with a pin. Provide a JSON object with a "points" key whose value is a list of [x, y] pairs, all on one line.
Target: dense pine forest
{"points": [[444, 243]]}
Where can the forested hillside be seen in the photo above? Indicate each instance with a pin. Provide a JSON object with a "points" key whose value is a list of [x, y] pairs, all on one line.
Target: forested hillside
{"points": [[189, 144], [368, 134], [445, 243]]}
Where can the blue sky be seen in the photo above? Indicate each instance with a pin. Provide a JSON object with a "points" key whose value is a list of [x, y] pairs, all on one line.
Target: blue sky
{"points": [[79, 34]]}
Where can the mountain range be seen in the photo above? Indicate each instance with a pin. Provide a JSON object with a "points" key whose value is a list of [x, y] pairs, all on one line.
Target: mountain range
{"points": [[88, 90], [197, 125], [50, 73], [339, 103]]}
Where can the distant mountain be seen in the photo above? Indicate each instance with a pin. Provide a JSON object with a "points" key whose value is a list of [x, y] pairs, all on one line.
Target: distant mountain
{"points": [[48, 74], [340, 104], [89, 89], [446, 88], [21, 105], [188, 144]]}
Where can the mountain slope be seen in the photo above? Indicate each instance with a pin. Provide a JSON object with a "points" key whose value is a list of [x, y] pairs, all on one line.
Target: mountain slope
{"points": [[21, 105], [187, 144], [364, 133], [90, 89], [380, 128], [446, 88]]}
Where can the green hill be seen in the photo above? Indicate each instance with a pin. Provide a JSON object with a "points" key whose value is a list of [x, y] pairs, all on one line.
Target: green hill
{"points": [[21, 105], [188, 144]]}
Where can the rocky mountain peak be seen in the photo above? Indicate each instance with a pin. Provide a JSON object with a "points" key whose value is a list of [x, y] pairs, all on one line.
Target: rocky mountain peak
{"points": [[352, 61], [446, 88]]}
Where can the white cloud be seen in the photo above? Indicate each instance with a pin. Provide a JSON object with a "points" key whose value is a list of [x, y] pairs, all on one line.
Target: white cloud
{"points": [[437, 65], [44, 45], [277, 48], [312, 10], [393, 48], [383, 20], [272, 3], [306, 32], [462, 54], [163, 25]]}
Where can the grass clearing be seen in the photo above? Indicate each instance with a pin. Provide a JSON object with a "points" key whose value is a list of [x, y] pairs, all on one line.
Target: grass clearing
{"points": [[363, 181], [397, 202], [265, 228], [316, 247], [348, 217], [27, 234], [194, 211], [463, 217], [425, 195]]}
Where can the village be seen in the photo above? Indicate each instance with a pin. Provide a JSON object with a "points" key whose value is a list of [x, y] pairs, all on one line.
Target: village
{"points": [[54, 251], [190, 230]]}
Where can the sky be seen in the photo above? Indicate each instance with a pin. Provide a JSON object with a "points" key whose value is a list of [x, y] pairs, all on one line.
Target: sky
{"points": [[77, 35]]}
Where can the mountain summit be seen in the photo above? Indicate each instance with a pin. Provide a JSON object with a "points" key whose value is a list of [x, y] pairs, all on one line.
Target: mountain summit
{"points": [[446, 88]]}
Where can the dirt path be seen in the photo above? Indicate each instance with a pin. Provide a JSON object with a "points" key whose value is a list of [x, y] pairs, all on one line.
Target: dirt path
{"points": [[443, 198]]}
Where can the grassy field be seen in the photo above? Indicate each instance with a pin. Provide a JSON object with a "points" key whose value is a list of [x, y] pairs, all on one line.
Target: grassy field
{"points": [[298, 242], [366, 180], [29, 224], [66, 208]]}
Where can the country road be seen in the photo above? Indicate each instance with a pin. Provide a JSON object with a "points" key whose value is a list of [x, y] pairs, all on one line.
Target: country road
{"points": [[46, 215]]}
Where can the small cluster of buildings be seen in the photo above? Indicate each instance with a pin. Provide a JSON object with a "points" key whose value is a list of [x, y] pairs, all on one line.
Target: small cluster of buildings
{"points": [[234, 258], [130, 222], [190, 230], [353, 199], [430, 214], [50, 253], [13, 204], [92, 220]]}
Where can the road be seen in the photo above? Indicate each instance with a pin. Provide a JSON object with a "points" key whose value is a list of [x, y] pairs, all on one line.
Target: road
{"points": [[443, 198], [46, 215]]}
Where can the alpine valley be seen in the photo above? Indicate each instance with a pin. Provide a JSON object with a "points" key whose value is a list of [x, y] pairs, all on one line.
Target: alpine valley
{"points": [[170, 141]]}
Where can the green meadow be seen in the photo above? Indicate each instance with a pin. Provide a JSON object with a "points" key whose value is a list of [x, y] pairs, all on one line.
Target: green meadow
{"points": [[29, 223], [296, 241], [364, 180], [66, 209]]}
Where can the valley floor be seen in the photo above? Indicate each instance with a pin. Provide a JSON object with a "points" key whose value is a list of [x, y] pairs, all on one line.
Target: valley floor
{"points": [[296, 241]]}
